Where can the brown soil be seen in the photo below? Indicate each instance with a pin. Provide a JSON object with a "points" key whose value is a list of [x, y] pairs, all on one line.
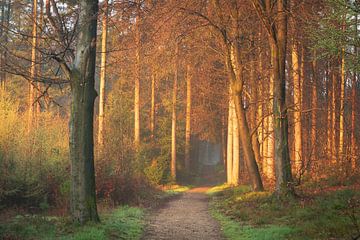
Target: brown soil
{"points": [[184, 217]]}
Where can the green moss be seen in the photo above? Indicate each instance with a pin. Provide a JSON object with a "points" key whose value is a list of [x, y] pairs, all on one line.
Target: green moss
{"points": [[250, 215], [234, 230], [122, 223]]}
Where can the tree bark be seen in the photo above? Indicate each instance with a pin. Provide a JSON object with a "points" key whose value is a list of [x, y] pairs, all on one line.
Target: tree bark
{"points": [[173, 118], [314, 106], [83, 94], [236, 82], [31, 108], [229, 155], [188, 119], [137, 80], [236, 149], [342, 99], [282, 157], [297, 106], [152, 110], [333, 117], [103, 75], [353, 108]]}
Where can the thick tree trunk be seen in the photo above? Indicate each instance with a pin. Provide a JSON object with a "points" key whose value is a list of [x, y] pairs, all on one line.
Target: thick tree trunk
{"points": [[282, 158], [137, 81], [235, 74], [236, 149], [103, 75], [188, 119], [229, 155], [83, 94], [173, 118], [297, 108]]}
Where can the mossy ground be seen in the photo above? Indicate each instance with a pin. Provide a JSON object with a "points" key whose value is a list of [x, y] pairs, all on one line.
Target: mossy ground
{"points": [[122, 223], [264, 216]]}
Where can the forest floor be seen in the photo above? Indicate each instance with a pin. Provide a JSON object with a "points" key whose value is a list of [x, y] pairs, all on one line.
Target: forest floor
{"points": [[186, 216], [318, 212]]}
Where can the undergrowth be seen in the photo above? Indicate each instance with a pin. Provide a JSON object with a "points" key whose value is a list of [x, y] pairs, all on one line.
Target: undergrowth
{"points": [[261, 215], [122, 223]]}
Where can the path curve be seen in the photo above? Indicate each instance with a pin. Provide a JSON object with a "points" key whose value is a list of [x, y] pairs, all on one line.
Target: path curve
{"points": [[183, 218]]}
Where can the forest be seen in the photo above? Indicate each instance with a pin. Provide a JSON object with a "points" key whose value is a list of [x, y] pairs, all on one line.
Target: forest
{"points": [[168, 119]]}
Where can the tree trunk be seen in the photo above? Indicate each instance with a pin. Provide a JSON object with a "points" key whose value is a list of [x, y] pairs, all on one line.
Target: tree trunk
{"points": [[236, 149], [342, 99], [102, 75], [229, 155], [282, 158], [173, 119], [353, 108], [333, 118], [188, 119], [83, 94], [31, 109], [152, 110], [297, 108], [269, 162], [314, 108], [5, 21], [137, 81], [254, 136], [235, 72]]}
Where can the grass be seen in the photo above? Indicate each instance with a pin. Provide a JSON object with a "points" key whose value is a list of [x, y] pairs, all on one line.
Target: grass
{"points": [[122, 223], [261, 215], [176, 189]]}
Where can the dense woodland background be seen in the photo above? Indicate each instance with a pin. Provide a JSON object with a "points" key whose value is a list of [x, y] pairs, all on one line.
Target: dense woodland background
{"points": [[273, 82]]}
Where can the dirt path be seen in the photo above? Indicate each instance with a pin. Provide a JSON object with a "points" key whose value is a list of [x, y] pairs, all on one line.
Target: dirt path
{"points": [[185, 217]]}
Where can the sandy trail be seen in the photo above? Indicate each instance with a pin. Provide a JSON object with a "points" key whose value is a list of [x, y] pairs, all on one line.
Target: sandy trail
{"points": [[184, 217]]}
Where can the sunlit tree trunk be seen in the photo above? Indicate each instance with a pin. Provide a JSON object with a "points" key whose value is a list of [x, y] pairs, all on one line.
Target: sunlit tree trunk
{"points": [[103, 75], [342, 99], [236, 149], [269, 162], [260, 110], [152, 110], [297, 107], [83, 94], [229, 155], [235, 72], [333, 118], [173, 119], [31, 108], [188, 119], [137, 80]]}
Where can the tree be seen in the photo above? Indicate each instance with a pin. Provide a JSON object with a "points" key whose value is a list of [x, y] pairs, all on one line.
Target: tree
{"points": [[188, 118], [82, 80], [137, 77], [34, 45], [276, 27], [173, 116], [103, 74]]}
